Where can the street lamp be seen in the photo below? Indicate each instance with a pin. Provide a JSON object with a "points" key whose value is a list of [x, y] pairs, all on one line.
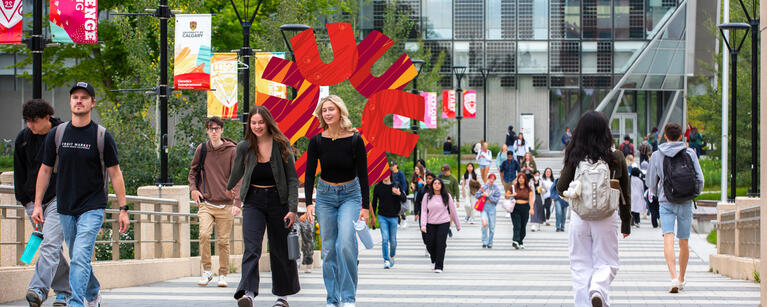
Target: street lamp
{"points": [[734, 49], [292, 28], [413, 123], [459, 72], [245, 53], [485, 73], [754, 23]]}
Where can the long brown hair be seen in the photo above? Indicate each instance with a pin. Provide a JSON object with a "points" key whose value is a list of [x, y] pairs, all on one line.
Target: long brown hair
{"points": [[274, 130], [519, 184]]}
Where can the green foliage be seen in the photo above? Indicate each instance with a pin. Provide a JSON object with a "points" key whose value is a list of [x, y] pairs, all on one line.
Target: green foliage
{"points": [[742, 191], [755, 275], [711, 238], [6, 163], [103, 251]]}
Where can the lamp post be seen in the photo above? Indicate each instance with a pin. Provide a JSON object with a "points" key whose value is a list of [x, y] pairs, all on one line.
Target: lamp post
{"points": [[485, 73], [754, 23], [245, 54], [413, 123], [459, 72], [292, 28], [734, 49]]}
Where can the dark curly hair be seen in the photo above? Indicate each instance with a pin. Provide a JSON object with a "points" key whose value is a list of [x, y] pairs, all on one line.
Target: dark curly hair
{"points": [[592, 140], [36, 108]]}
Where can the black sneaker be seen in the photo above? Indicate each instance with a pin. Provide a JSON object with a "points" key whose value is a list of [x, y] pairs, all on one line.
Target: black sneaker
{"points": [[489, 246], [34, 297], [515, 244], [596, 300], [484, 246], [245, 301]]}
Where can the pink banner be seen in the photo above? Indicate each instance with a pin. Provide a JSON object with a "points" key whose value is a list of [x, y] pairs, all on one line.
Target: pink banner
{"points": [[74, 21], [400, 122], [430, 118], [448, 104], [470, 104]]}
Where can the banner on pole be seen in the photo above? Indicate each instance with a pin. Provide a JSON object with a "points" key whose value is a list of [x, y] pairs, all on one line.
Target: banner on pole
{"points": [[73, 21], [430, 118], [265, 87], [470, 104], [191, 66], [400, 122], [222, 98], [10, 22], [448, 104]]}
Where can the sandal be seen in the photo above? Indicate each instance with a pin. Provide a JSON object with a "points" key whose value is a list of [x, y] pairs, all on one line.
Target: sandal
{"points": [[281, 303]]}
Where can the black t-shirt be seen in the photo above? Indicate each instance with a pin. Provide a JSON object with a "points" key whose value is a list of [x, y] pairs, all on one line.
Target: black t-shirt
{"points": [[80, 180]]}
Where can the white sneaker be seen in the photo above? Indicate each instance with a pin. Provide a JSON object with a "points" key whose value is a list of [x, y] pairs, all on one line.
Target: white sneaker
{"points": [[674, 286], [387, 264], [308, 268], [348, 305], [207, 276], [682, 284], [437, 271], [222, 281], [404, 224], [96, 302]]}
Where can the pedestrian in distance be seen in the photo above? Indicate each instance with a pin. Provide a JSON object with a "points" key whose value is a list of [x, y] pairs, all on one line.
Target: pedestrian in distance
{"points": [[83, 155], [471, 180], [437, 211], [520, 148], [209, 171], [387, 201], [264, 167], [567, 137], [492, 194], [501, 156], [676, 178], [547, 181], [595, 200], [511, 137], [52, 268], [399, 179], [627, 148], [447, 147], [342, 196], [638, 204], [484, 159], [523, 194], [449, 182], [528, 165], [509, 169], [560, 207], [540, 215]]}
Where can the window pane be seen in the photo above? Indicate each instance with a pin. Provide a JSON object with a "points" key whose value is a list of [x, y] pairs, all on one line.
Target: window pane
{"points": [[629, 19], [565, 19], [533, 57], [501, 23], [438, 23], [469, 18], [533, 19], [625, 53], [565, 56], [564, 111]]}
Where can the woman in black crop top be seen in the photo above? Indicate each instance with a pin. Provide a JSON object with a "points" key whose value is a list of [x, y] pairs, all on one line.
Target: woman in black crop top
{"points": [[342, 196], [265, 163]]}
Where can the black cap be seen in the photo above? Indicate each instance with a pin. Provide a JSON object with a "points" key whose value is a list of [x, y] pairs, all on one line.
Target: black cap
{"points": [[86, 86]]}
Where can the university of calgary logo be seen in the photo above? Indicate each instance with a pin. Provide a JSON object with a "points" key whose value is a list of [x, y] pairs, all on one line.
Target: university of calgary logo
{"points": [[193, 25], [8, 4]]}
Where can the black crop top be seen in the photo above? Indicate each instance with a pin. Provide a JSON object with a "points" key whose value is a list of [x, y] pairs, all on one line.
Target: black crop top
{"points": [[341, 160], [262, 175]]}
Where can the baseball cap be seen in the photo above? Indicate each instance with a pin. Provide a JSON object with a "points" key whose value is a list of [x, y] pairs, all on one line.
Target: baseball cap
{"points": [[392, 163], [445, 167], [86, 86]]}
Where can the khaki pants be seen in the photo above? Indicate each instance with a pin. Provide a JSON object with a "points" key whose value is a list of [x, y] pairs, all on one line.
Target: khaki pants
{"points": [[223, 219]]}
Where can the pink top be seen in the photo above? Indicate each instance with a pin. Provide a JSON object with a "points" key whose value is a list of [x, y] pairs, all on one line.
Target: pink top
{"points": [[433, 211]]}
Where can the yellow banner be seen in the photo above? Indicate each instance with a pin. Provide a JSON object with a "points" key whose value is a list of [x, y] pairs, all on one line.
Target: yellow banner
{"points": [[266, 87], [222, 99]]}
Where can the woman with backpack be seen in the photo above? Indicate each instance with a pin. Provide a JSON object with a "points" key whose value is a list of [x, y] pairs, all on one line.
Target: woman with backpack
{"points": [[470, 179], [492, 195], [593, 243], [437, 210], [523, 194]]}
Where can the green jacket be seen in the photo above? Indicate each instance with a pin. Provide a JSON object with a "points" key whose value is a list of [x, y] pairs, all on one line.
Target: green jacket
{"points": [[284, 173], [451, 183]]}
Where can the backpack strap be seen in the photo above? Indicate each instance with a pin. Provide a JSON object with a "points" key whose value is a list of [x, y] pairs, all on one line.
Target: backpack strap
{"points": [[100, 135], [201, 166], [57, 138]]}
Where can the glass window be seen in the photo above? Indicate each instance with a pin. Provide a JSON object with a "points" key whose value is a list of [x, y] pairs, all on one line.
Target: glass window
{"points": [[629, 19], [533, 19], [624, 54], [469, 54], [565, 56], [532, 57], [438, 19], [469, 18], [589, 57], [657, 13], [565, 19], [564, 111], [597, 19], [501, 56], [501, 19]]}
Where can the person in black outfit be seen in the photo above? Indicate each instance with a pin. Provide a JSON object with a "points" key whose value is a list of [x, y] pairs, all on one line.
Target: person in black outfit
{"points": [[390, 197], [447, 147], [264, 162]]}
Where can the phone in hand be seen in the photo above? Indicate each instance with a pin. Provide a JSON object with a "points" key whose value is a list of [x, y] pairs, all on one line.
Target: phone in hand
{"points": [[287, 223]]}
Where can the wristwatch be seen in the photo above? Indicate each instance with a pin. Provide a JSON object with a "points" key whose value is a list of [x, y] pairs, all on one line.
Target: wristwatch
{"points": [[124, 208]]}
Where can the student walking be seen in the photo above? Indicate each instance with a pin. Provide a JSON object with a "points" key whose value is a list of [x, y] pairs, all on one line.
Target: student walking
{"points": [[210, 169], [264, 163], [470, 178], [437, 210], [492, 194], [638, 204], [528, 164], [342, 196], [398, 179], [484, 159], [82, 153], [511, 137], [593, 242], [501, 156], [509, 170], [417, 204], [560, 207], [676, 178], [523, 194], [538, 218], [449, 182], [390, 197], [520, 147], [547, 181], [51, 269]]}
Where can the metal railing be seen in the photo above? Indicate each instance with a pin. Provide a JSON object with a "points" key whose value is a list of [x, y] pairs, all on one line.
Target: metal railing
{"points": [[738, 232]]}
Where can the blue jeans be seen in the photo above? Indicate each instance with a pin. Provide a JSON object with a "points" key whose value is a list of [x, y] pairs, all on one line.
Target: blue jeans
{"points": [[388, 236], [337, 208], [80, 234], [488, 213], [561, 212]]}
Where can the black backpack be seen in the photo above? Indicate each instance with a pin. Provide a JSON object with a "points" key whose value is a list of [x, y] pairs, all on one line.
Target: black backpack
{"points": [[201, 167], [680, 182], [626, 149]]}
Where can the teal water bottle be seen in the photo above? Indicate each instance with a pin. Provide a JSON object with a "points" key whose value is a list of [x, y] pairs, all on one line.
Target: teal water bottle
{"points": [[32, 246]]}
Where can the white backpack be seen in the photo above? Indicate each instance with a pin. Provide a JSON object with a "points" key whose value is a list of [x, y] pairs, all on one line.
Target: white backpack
{"points": [[590, 194]]}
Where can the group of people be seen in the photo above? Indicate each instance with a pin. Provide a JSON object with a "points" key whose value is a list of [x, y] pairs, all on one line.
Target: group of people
{"points": [[61, 171]]}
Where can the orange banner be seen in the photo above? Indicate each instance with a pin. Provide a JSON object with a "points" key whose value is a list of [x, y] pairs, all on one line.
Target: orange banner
{"points": [[222, 99]]}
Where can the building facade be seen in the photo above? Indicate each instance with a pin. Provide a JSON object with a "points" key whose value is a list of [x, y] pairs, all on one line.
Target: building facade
{"points": [[553, 60]]}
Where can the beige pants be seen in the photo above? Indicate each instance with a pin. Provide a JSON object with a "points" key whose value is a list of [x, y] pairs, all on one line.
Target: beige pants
{"points": [[223, 219]]}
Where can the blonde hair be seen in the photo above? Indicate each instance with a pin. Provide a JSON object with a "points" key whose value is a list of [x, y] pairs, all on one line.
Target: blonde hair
{"points": [[346, 123]]}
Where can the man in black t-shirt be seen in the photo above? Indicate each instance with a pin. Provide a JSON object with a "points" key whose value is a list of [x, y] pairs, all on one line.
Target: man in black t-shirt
{"points": [[81, 188]]}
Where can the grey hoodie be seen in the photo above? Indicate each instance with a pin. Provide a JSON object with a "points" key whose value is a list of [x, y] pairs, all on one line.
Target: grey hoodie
{"points": [[654, 178]]}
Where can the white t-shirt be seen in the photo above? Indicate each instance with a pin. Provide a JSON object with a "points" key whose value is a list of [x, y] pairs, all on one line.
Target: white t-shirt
{"points": [[519, 149]]}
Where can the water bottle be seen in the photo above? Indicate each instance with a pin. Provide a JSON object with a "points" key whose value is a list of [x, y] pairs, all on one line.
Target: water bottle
{"points": [[364, 234], [293, 247], [32, 245]]}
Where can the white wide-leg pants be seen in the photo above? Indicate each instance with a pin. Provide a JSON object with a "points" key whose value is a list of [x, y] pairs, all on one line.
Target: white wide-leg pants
{"points": [[593, 257]]}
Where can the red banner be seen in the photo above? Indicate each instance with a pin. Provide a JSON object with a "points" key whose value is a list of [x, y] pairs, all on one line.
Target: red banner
{"points": [[10, 22], [448, 104], [470, 104]]}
